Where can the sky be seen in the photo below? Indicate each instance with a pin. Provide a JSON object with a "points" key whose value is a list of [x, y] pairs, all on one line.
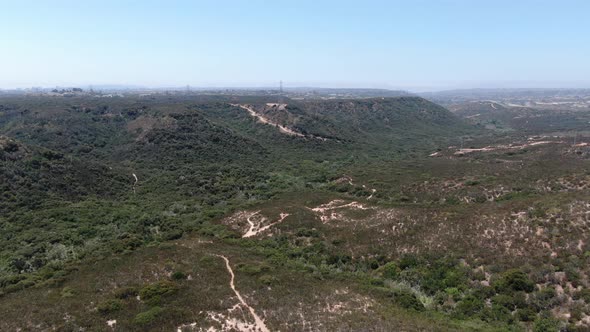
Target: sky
{"points": [[415, 45]]}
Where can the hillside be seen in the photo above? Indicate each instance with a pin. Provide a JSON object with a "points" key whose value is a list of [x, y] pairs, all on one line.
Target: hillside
{"points": [[181, 212]]}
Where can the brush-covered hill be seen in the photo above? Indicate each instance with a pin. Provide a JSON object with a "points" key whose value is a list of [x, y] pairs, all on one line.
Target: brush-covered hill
{"points": [[60, 155], [527, 120], [192, 213], [32, 176], [378, 121]]}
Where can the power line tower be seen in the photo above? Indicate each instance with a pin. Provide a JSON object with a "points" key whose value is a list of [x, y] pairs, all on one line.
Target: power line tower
{"points": [[280, 92]]}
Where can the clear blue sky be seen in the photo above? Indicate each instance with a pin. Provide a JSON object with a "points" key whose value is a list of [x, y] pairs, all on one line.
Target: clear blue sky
{"points": [[408, 44]]}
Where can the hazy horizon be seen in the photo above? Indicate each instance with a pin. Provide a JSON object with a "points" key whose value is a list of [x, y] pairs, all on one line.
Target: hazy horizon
{"points": [[417, 46]]}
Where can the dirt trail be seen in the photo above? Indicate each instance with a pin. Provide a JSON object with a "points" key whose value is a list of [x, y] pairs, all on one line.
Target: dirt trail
{"points": [[255, 228], [282, 129], [259, 323], [251, 231], [505, 147], [265, 120], [281, 218], [337, 204], [134, 183]]}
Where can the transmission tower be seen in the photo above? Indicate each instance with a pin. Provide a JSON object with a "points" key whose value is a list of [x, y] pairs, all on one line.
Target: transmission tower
{"points": [[280, 92]]}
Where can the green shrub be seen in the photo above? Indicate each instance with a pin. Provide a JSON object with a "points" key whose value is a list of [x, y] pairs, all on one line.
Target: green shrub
{"points": [[159, 288], [546, 324], [173, 234], [110, 306], [526, 315], [178, 275], [249, 269], [126, 292], [408, 261], [454, 293], [504, 300], [497, 313], [154, 301], [148, 317], [584, 295], [267, 279], [307, 232], [513, 281], [376, 282], [483, 292], [407, 299], [469, 306], [390, 270], [67, 292]]}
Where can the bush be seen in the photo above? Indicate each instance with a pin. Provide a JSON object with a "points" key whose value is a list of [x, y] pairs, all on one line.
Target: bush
{"points": [[454, 293], [110, 306], [148, 317], [267, 279], [408, 261], [376, 282], [584, 294], [504, 300], [178, 275], [390, 270], [526, 315], [546, 324], [407, 299], [248, 268], [513, 281], [159, 288], [469, 306], [126, 292], [306, 232], [67, 292], [498, 313]]}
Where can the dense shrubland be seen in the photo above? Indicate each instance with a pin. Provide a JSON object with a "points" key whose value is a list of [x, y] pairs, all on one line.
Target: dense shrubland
{"points": [[69, 199]]}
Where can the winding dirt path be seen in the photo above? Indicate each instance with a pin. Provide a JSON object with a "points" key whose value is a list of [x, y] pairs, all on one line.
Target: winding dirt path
{"points": [[255, 228], [281, 218], [337, 204], [251, 231], [266, 120], [134, 183], [505, 147], [282, 129], [259, 323]]}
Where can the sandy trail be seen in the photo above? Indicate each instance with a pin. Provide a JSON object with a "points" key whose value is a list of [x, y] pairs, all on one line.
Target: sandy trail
{"points": [[255, 228], [259, 323], [282, 129], [252, 230], [335, 204], [265, 120], [326, 211], [508, 147], [134, 183], [281, 218]]}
